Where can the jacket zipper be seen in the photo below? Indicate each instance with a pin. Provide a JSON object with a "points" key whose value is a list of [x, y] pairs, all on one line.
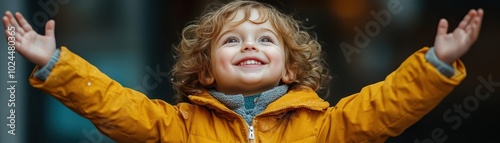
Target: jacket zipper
{"points": [[251, 135]]}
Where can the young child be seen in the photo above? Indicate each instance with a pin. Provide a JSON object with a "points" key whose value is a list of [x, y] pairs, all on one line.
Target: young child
{"points": [[248, 73]]}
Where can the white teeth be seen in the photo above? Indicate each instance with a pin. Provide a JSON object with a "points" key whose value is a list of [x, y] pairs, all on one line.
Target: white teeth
{"points": [[250, 62]]}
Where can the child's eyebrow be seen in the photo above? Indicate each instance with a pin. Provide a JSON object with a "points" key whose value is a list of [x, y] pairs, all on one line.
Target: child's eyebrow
{"points": [[272, 31]]}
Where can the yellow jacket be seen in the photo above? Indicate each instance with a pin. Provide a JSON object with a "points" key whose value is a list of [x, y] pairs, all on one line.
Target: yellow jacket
{"points": [[378, 111]]}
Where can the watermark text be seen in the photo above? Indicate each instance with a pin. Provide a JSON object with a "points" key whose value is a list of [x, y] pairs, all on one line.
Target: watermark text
{"points": [[11, 79]]}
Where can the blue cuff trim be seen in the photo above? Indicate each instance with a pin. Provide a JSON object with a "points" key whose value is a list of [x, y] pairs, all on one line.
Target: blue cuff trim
{"points": [[44, 72], [444, 68]]}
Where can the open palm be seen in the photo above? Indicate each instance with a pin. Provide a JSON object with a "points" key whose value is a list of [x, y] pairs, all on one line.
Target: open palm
{"points": [[31, 45], [451, 46]]}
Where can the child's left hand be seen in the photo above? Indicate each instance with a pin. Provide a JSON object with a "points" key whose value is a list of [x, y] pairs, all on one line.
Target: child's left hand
{"points": [[451, 46]]}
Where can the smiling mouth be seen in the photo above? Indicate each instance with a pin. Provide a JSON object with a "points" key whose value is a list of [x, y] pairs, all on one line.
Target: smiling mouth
{"points": [[250, 62]]}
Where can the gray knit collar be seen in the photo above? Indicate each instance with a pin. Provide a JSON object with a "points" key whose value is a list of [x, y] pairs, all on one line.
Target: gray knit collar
{"points": [[237, 102]]}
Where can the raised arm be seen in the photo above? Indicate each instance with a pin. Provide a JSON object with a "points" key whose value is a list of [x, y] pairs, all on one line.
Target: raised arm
{"points": [[123, 114], [389, 107]]}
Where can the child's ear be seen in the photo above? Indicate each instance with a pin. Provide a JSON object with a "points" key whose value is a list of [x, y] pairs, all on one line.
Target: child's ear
{"points": [[289, 75], [206, 78]]}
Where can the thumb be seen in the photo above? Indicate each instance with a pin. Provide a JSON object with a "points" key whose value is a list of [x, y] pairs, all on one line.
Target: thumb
{"points": [[442, 27], [50, 27]]}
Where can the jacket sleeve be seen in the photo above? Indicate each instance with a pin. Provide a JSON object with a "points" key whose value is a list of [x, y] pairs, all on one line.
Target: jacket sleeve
{"points": [[122, 114], [387, 108]]}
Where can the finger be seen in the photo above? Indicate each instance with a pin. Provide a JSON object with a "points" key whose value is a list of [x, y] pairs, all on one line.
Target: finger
{"points": [[13, 22], [468, 29], [442, 27], [480, 13], [7, 35], [19, 39], [463, 24], [50, 28], [6, 22], [19, 43], [12, 19], [23, 23], [476, 24]]}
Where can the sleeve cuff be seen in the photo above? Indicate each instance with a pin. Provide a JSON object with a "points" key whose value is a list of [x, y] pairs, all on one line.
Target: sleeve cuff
{"points": [[445, 69], [44, 72]]}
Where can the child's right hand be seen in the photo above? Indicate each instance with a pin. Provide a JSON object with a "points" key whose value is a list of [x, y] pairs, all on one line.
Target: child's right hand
{"points": [[35, 47]]}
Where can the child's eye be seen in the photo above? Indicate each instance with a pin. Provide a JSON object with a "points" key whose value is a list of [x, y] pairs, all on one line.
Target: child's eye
{"points": [[266, 39], [231, 40]]}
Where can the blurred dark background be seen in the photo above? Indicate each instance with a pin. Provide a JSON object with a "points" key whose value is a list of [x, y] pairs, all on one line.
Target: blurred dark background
{"points": [[131, 41]]}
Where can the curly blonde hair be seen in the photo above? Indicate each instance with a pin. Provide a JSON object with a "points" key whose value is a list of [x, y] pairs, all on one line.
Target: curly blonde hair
{"points": [[192, 66]]}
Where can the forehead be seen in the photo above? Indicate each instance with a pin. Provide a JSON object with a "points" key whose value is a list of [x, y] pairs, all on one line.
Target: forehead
{"points": [[254, 15]]}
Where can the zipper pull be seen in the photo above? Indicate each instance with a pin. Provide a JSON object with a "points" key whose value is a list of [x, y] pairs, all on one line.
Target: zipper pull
{"points": [[251, 135]]}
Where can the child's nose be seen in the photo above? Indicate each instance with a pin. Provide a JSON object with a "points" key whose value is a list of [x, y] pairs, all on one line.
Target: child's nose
{"points": [[249, 46]]}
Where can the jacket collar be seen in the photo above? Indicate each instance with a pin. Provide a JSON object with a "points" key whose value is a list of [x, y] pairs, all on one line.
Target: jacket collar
{"points": [[294, 99]]}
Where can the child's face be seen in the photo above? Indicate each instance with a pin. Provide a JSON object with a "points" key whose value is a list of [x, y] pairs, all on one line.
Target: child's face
{"points": [[248, 58]]}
